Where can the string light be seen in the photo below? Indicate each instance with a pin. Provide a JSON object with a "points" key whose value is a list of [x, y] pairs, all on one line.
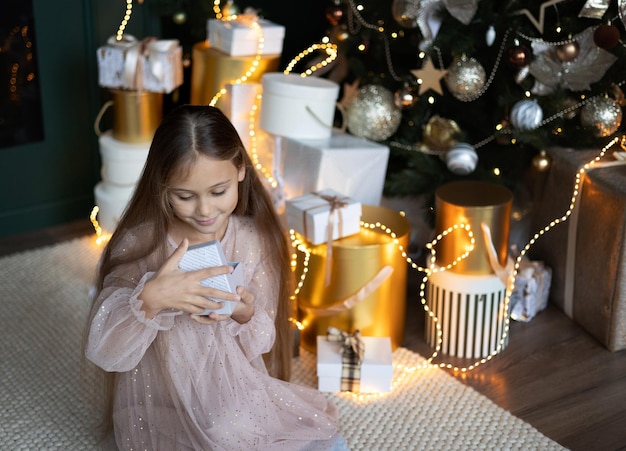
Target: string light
{"points": [[101, 237], [125, 20], [329, 48]]}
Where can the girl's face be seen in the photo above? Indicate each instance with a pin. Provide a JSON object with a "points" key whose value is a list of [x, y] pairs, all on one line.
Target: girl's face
{"points": [[204, 198]]}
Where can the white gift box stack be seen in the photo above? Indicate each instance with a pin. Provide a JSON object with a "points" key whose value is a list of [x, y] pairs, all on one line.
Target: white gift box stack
{"points": [[122, 164], [376, 368], [240, 38], [309, 215]]}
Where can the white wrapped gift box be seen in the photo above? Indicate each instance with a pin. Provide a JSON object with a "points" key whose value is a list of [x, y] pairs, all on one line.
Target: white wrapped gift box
{"points": [[150, 65], [353, 166], [376, 369], [309, 216], [241, 38]]}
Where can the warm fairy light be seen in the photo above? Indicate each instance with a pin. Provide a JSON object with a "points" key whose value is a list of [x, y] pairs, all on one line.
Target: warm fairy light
{"points": [[122, 27], [101, 237], [496, 171], [253, 144], [328, 47]]}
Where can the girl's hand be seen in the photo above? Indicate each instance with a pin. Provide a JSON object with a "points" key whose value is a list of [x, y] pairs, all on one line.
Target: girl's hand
{"points": [[171, 287], [242, 313]]}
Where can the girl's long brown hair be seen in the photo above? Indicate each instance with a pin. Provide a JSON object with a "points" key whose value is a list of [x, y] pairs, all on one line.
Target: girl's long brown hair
{"points": [[185, 133]]}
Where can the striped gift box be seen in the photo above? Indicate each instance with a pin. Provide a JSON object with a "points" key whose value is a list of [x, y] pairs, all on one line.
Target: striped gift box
{"points": [[470, 310]]}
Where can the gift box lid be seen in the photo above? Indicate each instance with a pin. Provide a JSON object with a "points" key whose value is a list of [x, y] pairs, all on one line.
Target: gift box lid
{"points": [[377, 361], [290, 85]]}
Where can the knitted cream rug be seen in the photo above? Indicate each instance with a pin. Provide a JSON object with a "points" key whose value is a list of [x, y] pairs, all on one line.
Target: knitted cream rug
{"points": [[44, 299]]}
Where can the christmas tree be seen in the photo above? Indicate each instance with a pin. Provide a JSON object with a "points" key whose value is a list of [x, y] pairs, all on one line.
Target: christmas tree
{"points": [[471, 89]]}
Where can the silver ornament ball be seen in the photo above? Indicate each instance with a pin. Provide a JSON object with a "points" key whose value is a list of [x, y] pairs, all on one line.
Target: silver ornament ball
{"points": [[603, 115], [465, 78], [461, 159], [526, 115], [373, 113]]}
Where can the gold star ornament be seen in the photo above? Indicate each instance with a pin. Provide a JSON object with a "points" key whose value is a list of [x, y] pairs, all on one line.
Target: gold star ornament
{"points": [[429, 78]]}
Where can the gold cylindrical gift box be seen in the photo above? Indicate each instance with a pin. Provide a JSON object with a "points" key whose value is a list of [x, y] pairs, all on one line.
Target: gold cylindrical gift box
{"points": [[136, 115], [211, 69], [475, 203], [355, 261]]}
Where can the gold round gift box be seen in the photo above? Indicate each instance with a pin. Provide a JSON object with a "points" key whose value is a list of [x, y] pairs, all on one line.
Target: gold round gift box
{"points": [[355, 261], [473, 203], [136, 115]]}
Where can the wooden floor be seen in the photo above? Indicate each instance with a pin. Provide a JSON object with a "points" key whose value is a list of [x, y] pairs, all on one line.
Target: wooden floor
{"points": [[552, 374]]}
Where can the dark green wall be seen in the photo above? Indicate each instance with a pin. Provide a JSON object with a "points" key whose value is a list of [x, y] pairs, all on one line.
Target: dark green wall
{"points": [[50, 182]]}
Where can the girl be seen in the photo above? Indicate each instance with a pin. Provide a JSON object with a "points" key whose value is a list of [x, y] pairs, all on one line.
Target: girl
{"points": [[178, 380]]}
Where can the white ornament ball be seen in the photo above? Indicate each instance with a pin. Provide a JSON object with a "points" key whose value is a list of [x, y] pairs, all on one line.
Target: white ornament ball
{"points": [[373, 114], [603, 115], [465, 78], [461, 159], [526, 115]]}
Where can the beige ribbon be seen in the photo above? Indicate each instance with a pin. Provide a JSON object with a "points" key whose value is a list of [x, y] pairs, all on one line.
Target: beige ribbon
{"points": [[336, 204], [570, 259], [355, 298]]}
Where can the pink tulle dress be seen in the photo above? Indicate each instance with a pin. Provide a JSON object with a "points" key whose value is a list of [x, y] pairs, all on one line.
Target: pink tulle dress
{"points": [[184, 385]]}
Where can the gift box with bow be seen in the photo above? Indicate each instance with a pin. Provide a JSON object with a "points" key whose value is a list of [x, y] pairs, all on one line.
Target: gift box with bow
{"points": [[150, 64], [324, 216], [351, 362]]}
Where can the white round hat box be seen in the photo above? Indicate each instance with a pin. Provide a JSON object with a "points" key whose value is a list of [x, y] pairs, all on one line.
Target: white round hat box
{"points": [[298, 107]]}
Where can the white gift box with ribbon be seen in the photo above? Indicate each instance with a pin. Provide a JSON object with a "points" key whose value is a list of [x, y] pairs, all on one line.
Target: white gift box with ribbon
{"points": [[241, 38], [148, 65], [323, 215], [376, 368]]}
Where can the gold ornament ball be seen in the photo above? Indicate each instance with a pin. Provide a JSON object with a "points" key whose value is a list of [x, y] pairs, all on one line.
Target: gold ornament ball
{"points": [[440, 133], [465, 78], [568, 52], [542, 161]]}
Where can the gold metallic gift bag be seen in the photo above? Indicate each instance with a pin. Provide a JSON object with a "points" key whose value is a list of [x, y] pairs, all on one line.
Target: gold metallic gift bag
{"points": [[369, 264]]}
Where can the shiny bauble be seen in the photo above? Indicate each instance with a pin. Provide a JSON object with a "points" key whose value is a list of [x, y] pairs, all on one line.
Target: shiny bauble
{"points": [[440, 133], [606, 36], [518, 56], [179, 17], [461, 159], [465, 78], [334, 14], [601, 114], [373, 114], [526, 115], [567, 52], [542, 161], [406, 97], [406, 12]]}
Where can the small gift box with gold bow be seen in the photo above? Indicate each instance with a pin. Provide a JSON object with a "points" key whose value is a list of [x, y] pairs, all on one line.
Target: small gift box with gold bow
{"points": [[324, 216], [350, 362], [150, 64]]}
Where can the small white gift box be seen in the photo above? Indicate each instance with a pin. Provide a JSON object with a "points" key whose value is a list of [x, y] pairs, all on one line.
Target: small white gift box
{"points": [[298, 107], [241, 38], [376, 368], [150, 65], [310, 215]]}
